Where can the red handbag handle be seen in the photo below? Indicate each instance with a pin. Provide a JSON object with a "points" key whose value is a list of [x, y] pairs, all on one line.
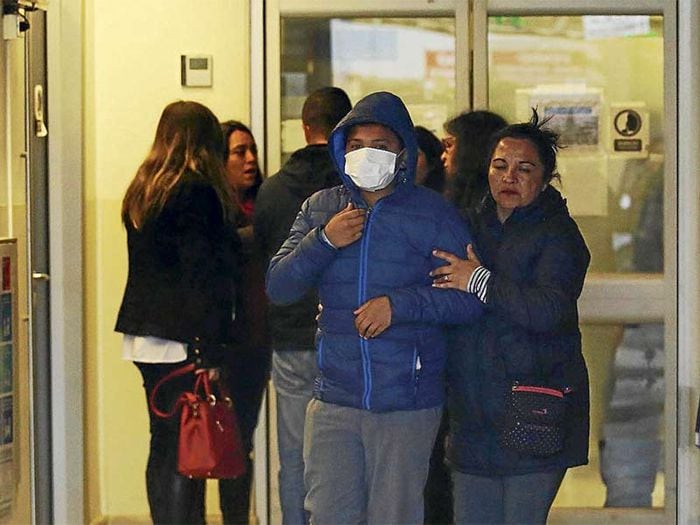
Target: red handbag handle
{"points": [[184, 370], [203, 381]]}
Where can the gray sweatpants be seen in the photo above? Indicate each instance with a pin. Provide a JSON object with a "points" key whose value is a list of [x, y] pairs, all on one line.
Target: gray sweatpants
{"points": [[365, 467]]}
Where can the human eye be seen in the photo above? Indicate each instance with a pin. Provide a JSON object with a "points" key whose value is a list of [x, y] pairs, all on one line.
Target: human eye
{"points": [[525, 168], [238, 151]]}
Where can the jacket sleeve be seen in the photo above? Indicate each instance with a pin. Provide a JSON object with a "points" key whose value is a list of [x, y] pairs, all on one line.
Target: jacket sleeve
{"points": [[547, 301], [427, 304], [298, 264]]}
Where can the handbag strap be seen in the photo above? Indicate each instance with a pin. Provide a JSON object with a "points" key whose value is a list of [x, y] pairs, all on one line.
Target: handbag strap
{"points": [[178, 372], [204, 382]]}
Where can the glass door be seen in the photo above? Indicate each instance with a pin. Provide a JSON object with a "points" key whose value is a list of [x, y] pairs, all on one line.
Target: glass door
{"points": [[605, 72], [414, 48], [601, 74]]}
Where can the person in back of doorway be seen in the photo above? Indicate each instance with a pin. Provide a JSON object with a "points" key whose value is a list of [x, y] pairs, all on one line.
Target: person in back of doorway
{"points": [[429, 169], [178, 303], [467, 137], [378, 398], [461, 157], [293, 326], [247, 370], [534, 265], [631, 452], [438, 488]]}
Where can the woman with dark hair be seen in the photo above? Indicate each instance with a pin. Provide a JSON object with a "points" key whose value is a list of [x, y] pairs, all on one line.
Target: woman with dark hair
{"points": [[528, 274], [247, 370], [437, 494], [178, 303], [429, 169], [467, 137]]}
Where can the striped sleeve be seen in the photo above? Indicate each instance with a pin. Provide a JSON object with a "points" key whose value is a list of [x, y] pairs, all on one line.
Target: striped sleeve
{"points": [[478, 283]]}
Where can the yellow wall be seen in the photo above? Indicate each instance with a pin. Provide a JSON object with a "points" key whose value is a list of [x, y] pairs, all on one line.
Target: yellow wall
{"points": [[132, 70]]}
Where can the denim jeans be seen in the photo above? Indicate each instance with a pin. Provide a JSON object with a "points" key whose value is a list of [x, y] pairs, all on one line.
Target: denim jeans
{"points": [[501, 500], [293, 374], [631, 447], [367, 467]]}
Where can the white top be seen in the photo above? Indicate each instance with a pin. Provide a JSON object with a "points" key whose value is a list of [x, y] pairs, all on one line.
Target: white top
{"points": [[152, 350]]}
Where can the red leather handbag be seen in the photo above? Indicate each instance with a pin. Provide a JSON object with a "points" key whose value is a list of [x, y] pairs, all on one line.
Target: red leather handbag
{"points": [[210, 443]]}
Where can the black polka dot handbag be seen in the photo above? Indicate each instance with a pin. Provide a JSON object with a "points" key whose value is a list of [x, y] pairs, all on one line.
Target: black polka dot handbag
{"points": [[534, 420]]}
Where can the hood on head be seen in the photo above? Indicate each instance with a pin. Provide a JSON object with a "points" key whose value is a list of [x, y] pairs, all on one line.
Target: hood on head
{"points": [[377, 108]]}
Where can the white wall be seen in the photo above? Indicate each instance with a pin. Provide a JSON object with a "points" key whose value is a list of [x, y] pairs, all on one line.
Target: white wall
{"points": [[132, 70]]}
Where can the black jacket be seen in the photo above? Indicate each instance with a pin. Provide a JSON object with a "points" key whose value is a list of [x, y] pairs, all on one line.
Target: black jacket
{"points": [[529, 333], [183, 267], [309, 170]]}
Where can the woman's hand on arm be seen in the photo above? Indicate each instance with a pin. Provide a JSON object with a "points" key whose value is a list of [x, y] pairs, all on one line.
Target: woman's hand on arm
{"points": [[214, 373], [457, 272]]}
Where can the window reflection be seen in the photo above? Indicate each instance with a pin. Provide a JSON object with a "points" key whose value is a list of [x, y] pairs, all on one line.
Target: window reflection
{"points": [[411, 57]]}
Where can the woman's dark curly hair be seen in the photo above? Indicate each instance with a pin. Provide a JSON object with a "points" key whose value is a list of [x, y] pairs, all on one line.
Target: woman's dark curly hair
{"points": [[545, 140]]}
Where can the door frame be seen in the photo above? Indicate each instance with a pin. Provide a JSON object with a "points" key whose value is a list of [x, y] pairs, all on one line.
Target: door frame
{"points": [[65, 23], [682, 331], [688, 306]]}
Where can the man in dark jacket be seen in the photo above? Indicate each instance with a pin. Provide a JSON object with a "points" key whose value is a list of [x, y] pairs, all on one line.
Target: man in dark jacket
{"points": [[367, 246], [293, 326]]}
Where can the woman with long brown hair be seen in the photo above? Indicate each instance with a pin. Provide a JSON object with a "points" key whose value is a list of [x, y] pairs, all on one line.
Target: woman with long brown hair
{"points": [[179, 301]]}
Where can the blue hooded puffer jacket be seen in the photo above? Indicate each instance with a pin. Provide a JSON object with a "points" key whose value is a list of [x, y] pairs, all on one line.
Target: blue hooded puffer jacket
{"points": [[402, 368]]}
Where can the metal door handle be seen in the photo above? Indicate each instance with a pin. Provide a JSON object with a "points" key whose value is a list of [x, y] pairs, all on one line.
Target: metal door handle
{"points": [[41, 276]]}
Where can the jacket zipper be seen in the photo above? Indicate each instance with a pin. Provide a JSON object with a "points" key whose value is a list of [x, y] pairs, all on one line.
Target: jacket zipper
{"points": [[362, 297], [320, 352]]}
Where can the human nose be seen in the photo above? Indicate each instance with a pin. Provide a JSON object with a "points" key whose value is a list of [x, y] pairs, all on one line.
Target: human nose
{"points": [[510, 175], [250, 156]]}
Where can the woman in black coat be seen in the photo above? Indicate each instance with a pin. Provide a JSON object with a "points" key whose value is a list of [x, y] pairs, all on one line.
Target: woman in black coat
{"points": [[529, 273], [178, 304]]}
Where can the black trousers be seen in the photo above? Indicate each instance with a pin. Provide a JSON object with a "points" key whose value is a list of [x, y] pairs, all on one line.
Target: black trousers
{"points": [[246, 373], [438, 487], [172, 498]]}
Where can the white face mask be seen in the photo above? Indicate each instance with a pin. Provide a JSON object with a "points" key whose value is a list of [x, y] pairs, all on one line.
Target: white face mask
{"points": [[371, 169]]}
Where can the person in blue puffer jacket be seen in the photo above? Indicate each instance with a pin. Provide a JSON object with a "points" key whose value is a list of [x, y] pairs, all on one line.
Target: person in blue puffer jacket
{"points": [[367, 246]]}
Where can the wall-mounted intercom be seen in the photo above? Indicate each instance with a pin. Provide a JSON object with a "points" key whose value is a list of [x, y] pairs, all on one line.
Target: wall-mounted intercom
{"points": [[195, 70]]}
